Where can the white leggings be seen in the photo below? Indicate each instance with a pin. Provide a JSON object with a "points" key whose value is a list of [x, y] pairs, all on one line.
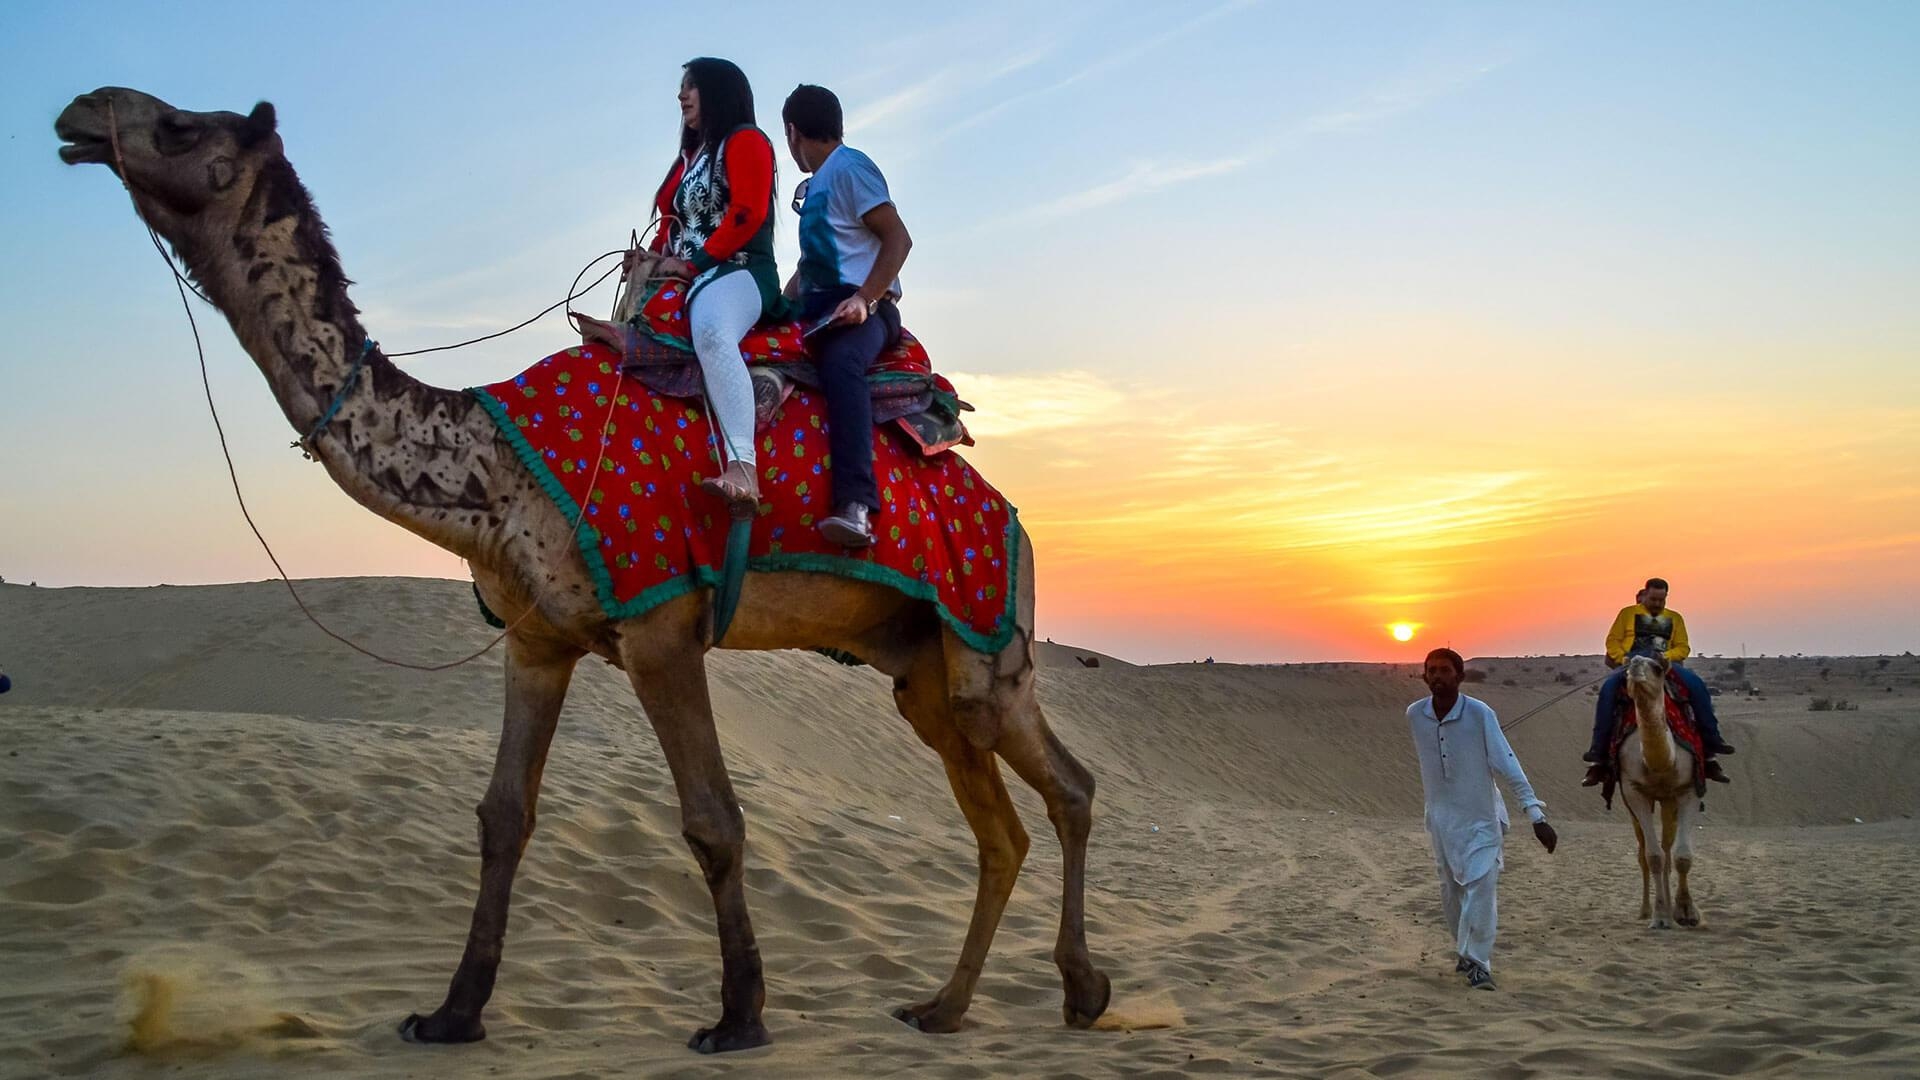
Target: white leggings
{"points": [[722, 312]]}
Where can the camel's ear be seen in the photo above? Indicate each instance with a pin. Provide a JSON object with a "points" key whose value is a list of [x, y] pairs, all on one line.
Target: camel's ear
{"points": [[259, 124]]}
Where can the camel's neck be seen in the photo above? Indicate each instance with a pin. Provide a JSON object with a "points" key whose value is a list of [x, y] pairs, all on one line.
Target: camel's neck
{"points": [[1656, 738], [417, 455]]}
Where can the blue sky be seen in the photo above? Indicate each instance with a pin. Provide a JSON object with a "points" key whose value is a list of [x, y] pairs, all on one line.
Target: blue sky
{"points": [[1303, 238]]}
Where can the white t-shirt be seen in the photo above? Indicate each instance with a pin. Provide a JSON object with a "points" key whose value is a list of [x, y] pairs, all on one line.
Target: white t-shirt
{"points": [[836, 247]]}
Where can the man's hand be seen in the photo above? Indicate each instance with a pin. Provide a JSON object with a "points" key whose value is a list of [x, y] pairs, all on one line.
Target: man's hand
{"points": [[851, 312], [675, 268], [1545, 834]]}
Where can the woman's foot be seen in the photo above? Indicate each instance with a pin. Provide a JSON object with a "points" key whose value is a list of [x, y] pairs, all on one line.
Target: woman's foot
{"points": [[736, 484]]}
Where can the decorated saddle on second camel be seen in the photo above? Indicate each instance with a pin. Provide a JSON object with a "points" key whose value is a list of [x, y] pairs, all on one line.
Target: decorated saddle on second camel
{"points": [[1686, 731]]}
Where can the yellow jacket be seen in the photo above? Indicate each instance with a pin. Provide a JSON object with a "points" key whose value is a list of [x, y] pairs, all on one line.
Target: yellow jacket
{"points": [[1636, 627]]}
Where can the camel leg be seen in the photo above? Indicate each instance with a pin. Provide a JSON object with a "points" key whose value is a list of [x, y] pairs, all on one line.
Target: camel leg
{"points": [[1687, 808], [975, 778], [1030, 747], [537, 677], [667, 666], [1646, 882], [1646, 815]]}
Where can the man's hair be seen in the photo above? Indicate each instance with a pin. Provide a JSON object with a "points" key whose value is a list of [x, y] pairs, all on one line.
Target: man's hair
{"points": [[1450, 657], [1656, 583], [814, 112]]}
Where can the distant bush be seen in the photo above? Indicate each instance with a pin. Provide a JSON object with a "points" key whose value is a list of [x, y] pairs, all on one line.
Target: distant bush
{"points": [[1738, 667], [1821, 704], [1474, 674], [1508, 682], [1824, 672], [1883, 662], [1564, 678]]}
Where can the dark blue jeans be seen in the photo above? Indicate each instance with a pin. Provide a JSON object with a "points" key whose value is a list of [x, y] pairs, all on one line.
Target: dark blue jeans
{"points": [[1702, 702], [842, 354]]}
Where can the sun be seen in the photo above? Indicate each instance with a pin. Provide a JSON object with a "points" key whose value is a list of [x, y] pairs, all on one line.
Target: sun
{"points": [[1401, 631]]}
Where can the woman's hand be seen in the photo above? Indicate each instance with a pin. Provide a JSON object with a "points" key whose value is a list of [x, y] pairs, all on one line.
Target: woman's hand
{"points": [[675, 268]]}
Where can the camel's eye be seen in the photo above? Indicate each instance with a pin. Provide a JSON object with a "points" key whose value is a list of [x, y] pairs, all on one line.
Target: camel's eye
{"points": [[176, 134]]}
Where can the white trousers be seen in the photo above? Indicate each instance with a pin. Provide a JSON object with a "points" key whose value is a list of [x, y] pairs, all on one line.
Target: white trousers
{"points": [[1472, 914], [722, 312]]}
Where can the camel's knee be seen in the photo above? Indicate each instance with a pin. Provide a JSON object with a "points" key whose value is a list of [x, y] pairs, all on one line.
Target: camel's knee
{"points": [[979, 721], [506, 824], [717, 836]]}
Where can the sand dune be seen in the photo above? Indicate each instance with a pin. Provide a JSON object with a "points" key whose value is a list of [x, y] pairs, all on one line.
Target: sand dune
{"points": [[229, 845]]}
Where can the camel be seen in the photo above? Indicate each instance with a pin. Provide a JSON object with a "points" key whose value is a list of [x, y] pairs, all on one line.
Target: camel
{"points": [[1657, 783], [218, 187]]}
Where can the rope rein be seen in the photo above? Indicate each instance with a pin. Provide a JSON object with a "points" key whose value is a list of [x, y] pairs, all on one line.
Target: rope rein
{"points": [[1518, 720], [183, 286]]}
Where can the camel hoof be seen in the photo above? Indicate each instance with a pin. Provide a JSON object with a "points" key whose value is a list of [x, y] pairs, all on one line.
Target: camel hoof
{"points": [[1092, 1002], [728, 1036], [438, 1029], [1661, 923], [1688, 918], [928, 1018]]}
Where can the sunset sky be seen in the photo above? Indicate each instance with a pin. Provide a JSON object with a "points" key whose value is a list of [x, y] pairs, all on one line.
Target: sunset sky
{"points": [[1285, 324]]}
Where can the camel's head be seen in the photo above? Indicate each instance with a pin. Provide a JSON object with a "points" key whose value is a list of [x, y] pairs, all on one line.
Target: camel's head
{"points": [[179, 164], [1648, 674]]}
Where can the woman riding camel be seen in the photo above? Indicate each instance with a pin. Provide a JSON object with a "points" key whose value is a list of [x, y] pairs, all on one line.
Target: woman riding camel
{"points": [[717, 208]]}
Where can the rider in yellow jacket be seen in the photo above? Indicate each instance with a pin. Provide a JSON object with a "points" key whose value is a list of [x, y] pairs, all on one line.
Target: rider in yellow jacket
{"points": [[1642, 628]]}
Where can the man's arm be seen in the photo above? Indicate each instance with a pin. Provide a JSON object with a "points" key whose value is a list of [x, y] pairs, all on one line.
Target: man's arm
{"points": [[1620, 638], [895, 243], [1678, 648], [1506, 768], [885, 223]]}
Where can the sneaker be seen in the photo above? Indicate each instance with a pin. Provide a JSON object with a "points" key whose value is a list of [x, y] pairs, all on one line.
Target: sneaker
{"points": [[1479, 978], [1593, 756], [1720, 748], [849, 527], [1597, 773], [1461, 965], [1716, 774]]}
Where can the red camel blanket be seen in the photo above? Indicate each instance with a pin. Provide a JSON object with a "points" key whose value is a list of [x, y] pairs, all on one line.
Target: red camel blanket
{"points": [[650, 534]]}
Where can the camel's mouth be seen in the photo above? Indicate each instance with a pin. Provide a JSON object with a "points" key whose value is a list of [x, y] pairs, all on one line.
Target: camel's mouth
{"points": [[86, 151], [85, 142]]}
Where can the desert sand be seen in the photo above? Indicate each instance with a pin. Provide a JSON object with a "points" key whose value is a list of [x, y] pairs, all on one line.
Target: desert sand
{"points": [[230, 848]]}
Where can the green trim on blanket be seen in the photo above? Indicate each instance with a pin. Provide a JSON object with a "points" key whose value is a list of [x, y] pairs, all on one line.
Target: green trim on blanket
{"points": [[587, 539]]}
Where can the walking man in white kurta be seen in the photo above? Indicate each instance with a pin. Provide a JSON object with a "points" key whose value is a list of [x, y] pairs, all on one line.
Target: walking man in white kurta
{"points": [[1462, 753]]}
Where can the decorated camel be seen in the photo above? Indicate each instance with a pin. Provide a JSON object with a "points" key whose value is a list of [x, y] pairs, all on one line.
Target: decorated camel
{"points": [[1658, 782], [437, 462]]}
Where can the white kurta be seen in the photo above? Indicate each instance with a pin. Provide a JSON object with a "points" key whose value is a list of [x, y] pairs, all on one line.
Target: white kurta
{"points": [[1461, 756]]}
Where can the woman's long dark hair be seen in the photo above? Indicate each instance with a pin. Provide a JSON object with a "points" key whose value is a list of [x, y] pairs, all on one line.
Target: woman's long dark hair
{"points": [[726, 102]]}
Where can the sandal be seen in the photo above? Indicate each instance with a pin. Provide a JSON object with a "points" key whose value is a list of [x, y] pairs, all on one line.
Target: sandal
{"points": [[736, 484]]}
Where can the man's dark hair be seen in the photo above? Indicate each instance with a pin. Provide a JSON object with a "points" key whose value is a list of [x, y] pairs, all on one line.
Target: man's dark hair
{"points": [[726, 102], [814, 112], [1656, 583], [1450, 657]]}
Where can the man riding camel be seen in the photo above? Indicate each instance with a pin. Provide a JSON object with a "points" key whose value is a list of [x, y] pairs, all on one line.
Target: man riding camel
{"points": [[1643, 628]]}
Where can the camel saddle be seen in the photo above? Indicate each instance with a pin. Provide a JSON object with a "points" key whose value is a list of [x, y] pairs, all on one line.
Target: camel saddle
{"points": [[907, 393], [1679, 720]]}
